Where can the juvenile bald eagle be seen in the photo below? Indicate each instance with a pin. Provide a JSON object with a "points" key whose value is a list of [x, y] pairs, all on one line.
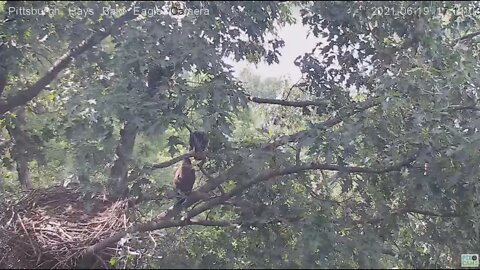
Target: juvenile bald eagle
{"points": [[184, 180], [198, 142]]}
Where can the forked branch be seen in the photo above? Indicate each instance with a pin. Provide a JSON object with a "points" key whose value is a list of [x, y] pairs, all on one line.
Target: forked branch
{"points": [[22, 97]]}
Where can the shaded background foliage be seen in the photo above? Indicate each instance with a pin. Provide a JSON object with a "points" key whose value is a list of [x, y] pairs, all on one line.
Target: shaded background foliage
{"points": [[420, 65]]}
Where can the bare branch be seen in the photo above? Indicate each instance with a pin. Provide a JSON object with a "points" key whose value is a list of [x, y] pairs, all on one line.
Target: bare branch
{"points": [[25, 96], [172, 161], [468, 36], [430, 213], [287, 102], [462, 107], [324, 125], [291, 88]]}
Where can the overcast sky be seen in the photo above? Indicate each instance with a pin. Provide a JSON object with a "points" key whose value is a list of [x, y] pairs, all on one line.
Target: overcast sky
{"points": [[296, 43]]}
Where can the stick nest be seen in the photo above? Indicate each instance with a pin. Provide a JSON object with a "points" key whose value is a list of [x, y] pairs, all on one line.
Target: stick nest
{"points": [[50, 228]]}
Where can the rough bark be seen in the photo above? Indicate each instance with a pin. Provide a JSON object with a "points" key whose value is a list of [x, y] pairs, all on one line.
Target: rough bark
{"points": [[3, 68], [119, 172], [3, 79], [19, 151]]}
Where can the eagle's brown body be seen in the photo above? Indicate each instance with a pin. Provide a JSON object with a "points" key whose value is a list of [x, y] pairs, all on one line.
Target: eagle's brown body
{"points": [[184, 177]]}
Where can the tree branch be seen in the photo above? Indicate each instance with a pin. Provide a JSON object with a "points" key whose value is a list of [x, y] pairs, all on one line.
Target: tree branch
{"points": [[3, 69], [326, 124], [462, 107], [3, 79], [151, 226], [468, 36], [286, 102], [286, 138], [430, 213], [164, 222], [25, 96], [291, 170], [19, 151], [170, 162], [119, 172]]}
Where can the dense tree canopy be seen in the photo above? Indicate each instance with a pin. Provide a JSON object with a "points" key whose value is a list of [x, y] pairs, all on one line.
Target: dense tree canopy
{"points": [[370, 160]]}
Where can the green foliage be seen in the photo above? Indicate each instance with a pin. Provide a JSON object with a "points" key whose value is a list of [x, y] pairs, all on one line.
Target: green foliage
{"points": [[413, 61]]}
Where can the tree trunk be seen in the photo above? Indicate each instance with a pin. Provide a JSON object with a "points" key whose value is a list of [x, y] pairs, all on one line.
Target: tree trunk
{"points": [[3, 79], [19, 151], [119, 172], [3, 68]]}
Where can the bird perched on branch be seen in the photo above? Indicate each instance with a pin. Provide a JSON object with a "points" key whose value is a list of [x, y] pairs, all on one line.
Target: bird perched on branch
{"points": [[199, 143], [184, 180]]}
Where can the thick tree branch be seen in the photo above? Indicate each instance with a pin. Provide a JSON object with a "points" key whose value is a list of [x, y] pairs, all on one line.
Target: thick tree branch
{"points": [[214, 183], [295, 169], [3, 79], [3, 69], [164, 220], [19, 151], [275, 173], [124, 151], [25, 96], [151, 226]]}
